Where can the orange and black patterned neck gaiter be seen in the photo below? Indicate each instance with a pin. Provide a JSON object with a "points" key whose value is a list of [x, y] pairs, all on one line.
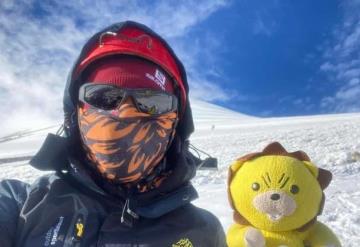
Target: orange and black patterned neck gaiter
{"points": [[125, 145]]}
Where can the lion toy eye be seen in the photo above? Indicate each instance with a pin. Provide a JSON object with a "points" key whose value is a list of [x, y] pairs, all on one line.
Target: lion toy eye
{"points": [[294, 189], [255, 186]]}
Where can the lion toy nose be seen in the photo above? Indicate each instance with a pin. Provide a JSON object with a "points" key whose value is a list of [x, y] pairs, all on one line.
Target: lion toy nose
{"points": [[275, 197]]}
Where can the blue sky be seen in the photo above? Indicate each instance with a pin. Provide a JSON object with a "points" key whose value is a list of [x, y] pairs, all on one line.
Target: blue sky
{"points": [[273, 54], [263, 58]]}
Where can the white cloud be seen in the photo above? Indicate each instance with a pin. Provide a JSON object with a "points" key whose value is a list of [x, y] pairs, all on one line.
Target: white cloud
{"points": [[260, 27], [264, 24], [206, 80], [354, 81], [342, 62], [40, 40]]}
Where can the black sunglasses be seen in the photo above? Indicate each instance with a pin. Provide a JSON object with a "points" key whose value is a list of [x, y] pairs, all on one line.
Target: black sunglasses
{"points": [[109, 97]]}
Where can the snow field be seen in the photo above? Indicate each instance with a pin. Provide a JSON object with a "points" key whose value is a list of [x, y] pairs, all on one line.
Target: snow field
{"points": [[331, 141]]}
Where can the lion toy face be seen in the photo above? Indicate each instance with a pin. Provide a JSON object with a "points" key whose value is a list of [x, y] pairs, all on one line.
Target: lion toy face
{"points": [[275, 190]]}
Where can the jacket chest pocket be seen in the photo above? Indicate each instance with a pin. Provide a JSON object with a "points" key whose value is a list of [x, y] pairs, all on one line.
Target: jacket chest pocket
{"points": [[60, 223]]}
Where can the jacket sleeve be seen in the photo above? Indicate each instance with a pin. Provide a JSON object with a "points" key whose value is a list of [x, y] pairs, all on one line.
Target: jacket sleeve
{"points": [[218, 234], [221, 239], [213, 235], [13, 194]]}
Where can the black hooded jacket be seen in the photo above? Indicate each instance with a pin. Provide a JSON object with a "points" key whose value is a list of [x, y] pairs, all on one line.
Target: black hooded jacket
{"points": [[72, 208]]}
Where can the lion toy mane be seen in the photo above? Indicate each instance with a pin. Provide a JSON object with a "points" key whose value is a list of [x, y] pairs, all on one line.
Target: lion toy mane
{"points": [[276, 197]]}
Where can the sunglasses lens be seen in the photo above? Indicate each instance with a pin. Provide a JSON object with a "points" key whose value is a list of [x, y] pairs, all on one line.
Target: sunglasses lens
{"points": [[108, 97], [104, 97], [155, 102]]}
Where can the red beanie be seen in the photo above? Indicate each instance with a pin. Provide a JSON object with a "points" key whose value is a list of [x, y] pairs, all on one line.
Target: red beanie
{"points": [[129, 72]]}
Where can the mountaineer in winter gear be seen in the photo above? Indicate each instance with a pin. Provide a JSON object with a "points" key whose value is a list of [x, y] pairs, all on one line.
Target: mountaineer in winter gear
{"points": [[122, 168]]}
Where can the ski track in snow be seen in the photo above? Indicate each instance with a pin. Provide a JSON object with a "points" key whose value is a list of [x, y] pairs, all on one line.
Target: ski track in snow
{"points": [[332, 142]]}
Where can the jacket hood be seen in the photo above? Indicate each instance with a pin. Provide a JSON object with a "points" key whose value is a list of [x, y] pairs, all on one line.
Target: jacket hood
{"points": [[63, 154], [128, 38]]}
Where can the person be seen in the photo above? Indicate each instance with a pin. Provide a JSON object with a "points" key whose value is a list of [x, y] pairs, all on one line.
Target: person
{"points": [[122, 166]]}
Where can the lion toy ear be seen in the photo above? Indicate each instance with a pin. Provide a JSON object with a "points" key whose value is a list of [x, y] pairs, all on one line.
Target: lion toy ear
{"points": [[312, 168], [323, 176], [236, 165]]}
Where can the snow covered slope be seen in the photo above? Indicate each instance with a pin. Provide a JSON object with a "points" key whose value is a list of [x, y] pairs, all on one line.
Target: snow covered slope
{"points": [[208, 116], [332, 141]]}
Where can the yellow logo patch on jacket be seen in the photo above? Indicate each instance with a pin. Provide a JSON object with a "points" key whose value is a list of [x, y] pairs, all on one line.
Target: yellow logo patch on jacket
{"points": [[185, 242]]}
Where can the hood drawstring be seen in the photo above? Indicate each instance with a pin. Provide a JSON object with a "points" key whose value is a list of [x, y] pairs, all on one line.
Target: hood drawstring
{"points": [[60, 131], [209, 163], [128, 216]]}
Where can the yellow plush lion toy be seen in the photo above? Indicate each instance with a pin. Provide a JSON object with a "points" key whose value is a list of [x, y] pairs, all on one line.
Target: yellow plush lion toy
{"points": [[276, 197]]}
